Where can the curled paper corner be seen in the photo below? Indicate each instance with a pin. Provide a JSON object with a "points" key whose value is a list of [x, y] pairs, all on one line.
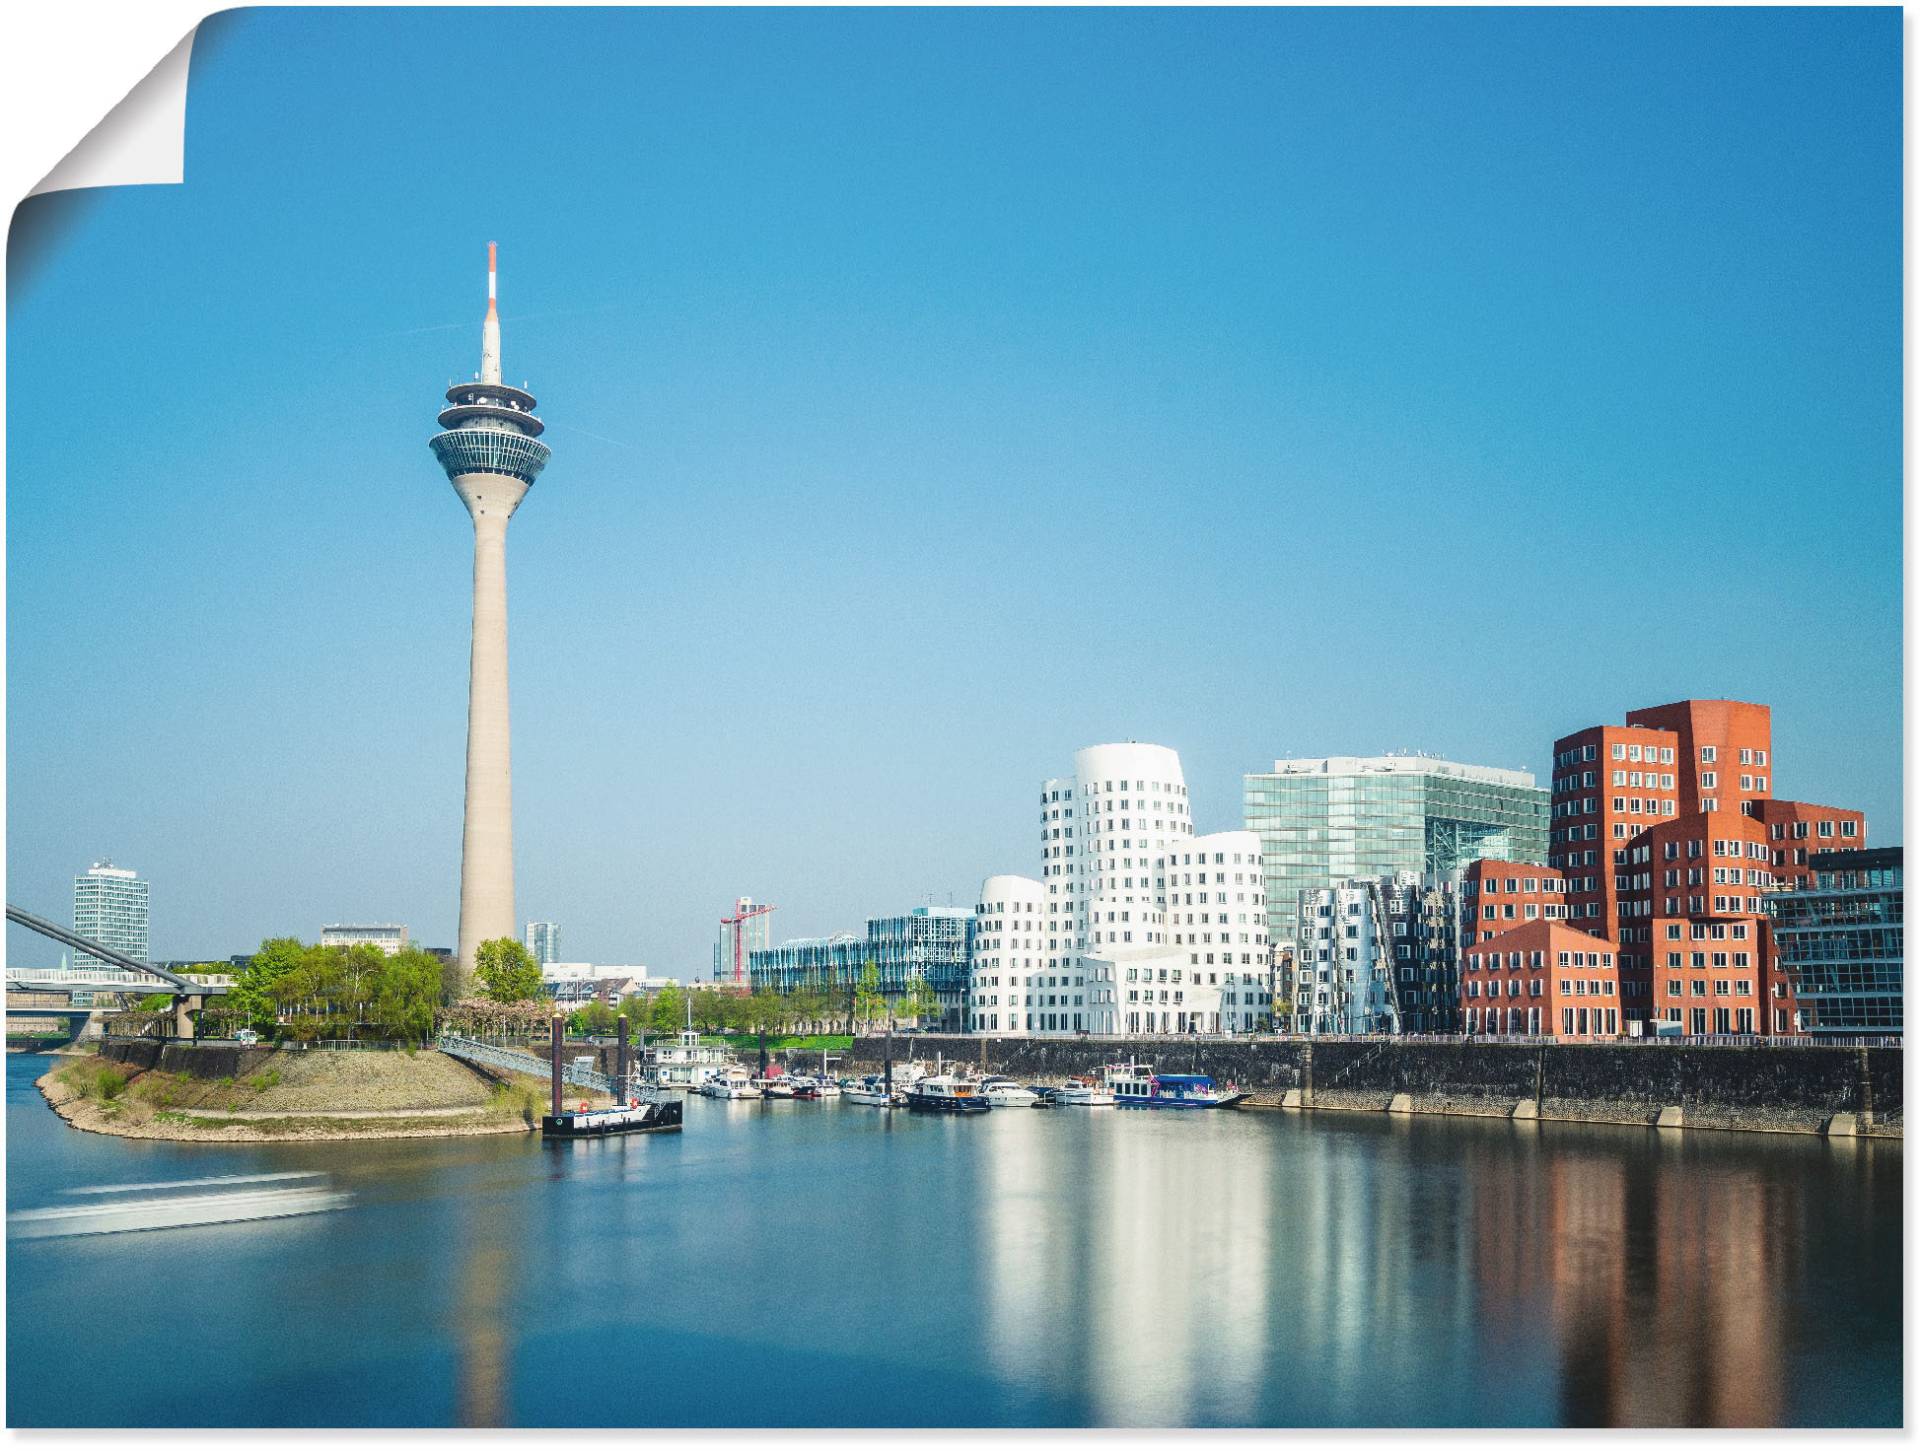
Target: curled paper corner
{"points": [[140, 142]]}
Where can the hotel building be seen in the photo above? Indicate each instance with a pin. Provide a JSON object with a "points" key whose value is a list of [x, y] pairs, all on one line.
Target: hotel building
{"points": [[110, 908]]}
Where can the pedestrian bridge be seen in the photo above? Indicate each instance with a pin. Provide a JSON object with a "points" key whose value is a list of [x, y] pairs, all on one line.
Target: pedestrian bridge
{"points": [[518, 1060]]}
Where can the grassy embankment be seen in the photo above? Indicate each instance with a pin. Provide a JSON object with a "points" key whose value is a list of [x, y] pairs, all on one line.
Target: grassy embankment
{"points": [[299, 1096]]}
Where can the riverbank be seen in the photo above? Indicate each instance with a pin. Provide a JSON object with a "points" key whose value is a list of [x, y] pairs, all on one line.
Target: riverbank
{"points": [[1809, 1088], [286, 1095]]}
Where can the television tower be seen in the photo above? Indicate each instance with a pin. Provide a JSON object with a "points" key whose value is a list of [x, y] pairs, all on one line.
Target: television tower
{"points": [[488, 447]]}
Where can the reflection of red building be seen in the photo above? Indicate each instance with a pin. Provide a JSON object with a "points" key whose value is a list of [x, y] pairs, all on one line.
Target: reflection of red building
{"points": [[1542, 978], [1667, 836]]}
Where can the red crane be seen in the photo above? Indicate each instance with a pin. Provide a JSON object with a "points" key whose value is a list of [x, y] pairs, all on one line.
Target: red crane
{"points": [[743, 911]]}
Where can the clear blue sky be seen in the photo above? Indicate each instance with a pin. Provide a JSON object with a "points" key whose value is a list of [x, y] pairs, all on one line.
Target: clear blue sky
{"points": [[933, 393]]}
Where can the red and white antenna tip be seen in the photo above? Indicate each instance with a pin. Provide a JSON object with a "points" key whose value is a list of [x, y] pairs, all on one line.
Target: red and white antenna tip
{"points": [[493, 268]]}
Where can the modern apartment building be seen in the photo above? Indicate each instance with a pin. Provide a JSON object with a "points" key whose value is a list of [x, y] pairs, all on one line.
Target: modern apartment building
{"points": [[1329, 819], [1667, 838], [1136, 925], [1841, 942], [1377, 955], [110, 907], [542, 940], [1667, 841], [1542, 979], [389, 937], [934, 944]]}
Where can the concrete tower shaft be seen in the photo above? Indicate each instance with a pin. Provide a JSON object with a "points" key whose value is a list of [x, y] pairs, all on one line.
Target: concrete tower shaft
{"points": [[489, 447]]}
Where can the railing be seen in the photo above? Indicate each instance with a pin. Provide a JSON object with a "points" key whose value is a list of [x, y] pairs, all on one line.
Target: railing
{"points": [[476, 1050]]}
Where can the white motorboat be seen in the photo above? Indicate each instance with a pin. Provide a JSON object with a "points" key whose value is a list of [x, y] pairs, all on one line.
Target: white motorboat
{"points": [[1085, 1091], [1003, 1092], [871, 1090], [774, 1085], [730, 1082], [224, 1199]]}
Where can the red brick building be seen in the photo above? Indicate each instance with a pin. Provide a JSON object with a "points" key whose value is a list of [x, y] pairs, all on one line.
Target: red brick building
{"points": [[1667, 835], [1498, 895], [1543, 979]]}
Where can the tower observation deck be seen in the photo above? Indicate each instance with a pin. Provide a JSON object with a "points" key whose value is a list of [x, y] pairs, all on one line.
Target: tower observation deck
{"points": [[489, 445]]}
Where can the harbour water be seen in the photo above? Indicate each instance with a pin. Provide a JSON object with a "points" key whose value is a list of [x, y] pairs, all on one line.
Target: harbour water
{"points": [[824, 1264]]}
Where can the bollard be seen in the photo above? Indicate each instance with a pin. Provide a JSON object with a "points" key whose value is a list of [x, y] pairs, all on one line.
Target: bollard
{"points": [[559, 1043], [620, 1093]]}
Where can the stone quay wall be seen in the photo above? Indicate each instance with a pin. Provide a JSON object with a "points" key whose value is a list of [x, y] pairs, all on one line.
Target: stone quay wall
{"points": [[1797, 1087]]}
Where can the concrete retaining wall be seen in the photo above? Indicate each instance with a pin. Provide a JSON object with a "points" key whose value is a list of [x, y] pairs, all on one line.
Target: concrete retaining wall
{"points": [[1786, 1087]]}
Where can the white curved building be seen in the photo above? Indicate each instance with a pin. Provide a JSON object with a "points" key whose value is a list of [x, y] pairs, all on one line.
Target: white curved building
{"points": [[1008, 958], [1114, 961]]}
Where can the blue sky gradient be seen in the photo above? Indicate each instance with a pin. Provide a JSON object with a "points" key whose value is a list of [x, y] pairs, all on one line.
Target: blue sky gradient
{"points": [[933, 393]]}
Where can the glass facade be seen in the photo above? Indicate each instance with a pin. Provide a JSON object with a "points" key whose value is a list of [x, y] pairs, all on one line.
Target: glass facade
{"points": [[1842, 942], [1324, 821], [543, 941], [935, 943]]}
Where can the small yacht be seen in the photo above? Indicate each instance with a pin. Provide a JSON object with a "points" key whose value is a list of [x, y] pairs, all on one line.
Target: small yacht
{"points": [[732, 1081], [871, 1090], [774, 1085], [805, 1088], [1138, 1086], [1084, 1091], [1005, 1093], [947, 1093]]}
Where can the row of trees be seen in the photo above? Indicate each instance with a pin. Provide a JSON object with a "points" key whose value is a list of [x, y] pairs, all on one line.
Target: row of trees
{"points": [[307, 992]]}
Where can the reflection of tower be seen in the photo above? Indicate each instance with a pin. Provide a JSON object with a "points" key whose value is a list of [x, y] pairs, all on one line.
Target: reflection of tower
{"points": [[488, 448]]}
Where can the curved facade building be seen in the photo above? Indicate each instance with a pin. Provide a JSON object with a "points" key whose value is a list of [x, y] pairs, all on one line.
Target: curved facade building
{"points": [[1115, 961], [1008, 956]]}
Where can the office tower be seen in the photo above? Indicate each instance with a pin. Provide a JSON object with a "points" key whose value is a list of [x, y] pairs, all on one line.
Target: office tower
{"points": [[110, 907]]}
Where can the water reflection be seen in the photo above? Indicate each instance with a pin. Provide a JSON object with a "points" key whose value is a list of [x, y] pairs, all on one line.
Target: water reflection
{"points": [[1364, 1270], [828, 1265]]}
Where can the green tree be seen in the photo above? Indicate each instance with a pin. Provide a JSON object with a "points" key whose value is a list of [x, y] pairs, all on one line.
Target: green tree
{"points": [[508, 970], [869, 1002], [251, 1003], [406, 996], [666, 1014], [710, 1009], [919, 1002]]}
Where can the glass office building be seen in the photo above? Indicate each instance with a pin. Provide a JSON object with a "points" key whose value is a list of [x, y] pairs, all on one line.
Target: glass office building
{"points": [[1841, 941], [110, 907], [935, 943], [1325, 820], [543, 941]]}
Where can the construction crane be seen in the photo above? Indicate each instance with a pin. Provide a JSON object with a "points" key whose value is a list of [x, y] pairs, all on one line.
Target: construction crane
{"points": [[744, 910]]}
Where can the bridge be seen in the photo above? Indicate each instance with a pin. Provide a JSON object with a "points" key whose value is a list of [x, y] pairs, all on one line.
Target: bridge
{"points": [[515, 1060], [119, 974]]}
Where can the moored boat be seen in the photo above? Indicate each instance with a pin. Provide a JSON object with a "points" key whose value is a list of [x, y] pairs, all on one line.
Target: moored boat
{"points": [[645, 1114], [947, 1093], [732, 1081], [1084, 1091], [871, 1091], [1136, 1085], [1003, 1092]]}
